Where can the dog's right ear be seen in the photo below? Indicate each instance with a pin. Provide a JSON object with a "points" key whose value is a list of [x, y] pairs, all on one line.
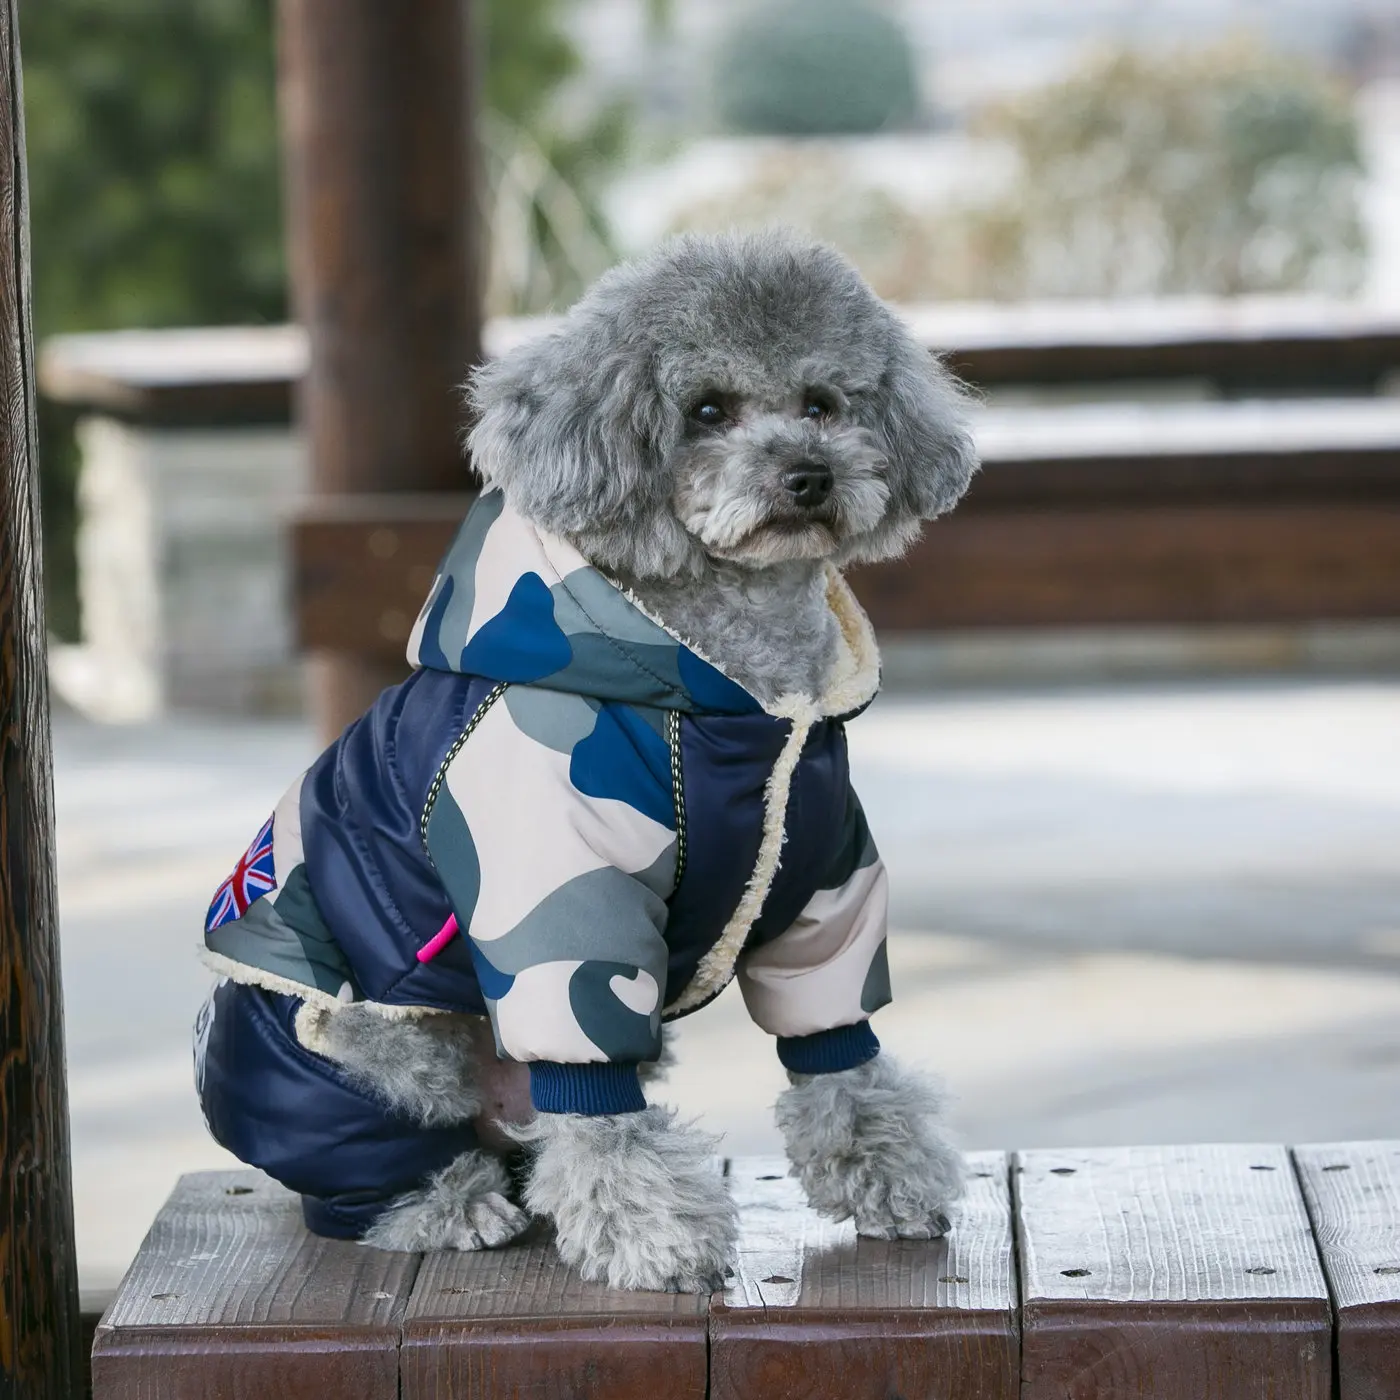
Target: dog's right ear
{"points": [[573, 428]]}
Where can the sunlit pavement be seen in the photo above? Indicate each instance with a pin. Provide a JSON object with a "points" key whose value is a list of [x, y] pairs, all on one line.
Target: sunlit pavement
{"points": [[1133, 915]]}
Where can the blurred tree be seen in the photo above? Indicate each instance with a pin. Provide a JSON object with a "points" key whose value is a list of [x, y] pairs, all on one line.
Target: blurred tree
{"points": [[1223, 170], [153, 150], [154, 176], [151, 127], [153, 162], [1212, 171], [815, 67], [824, 193]]}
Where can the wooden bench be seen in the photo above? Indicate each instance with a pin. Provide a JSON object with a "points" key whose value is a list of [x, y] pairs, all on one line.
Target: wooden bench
{"points": [[1186, 1273], [1159, 514], [1176, 513], [1205, 513]]}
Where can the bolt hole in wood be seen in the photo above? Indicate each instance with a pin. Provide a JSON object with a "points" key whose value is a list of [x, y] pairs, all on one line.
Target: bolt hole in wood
{"points": [[773, 1177], [238, 1191], [777, 1278], [1388, 1269], [163, 1297], [1337, 1167], [1262, 1167], [1075, 1273], [1261, 1269], [1061, 1171], [951, 1278]]}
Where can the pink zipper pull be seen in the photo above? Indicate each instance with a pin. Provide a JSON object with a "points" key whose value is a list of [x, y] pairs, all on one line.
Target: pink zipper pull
{"points": [[439, 940]]}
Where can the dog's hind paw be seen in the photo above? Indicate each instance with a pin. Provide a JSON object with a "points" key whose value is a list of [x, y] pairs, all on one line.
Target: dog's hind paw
{"points": [[462, 1207], [493, 1221], [418, 1223]]}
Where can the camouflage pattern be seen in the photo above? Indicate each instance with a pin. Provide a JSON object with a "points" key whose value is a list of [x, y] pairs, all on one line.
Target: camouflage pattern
{"points": [[551, 823], [524, 607]]}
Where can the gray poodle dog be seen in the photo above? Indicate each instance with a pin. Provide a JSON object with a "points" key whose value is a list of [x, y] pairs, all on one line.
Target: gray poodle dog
{"points": [[684, 466]]}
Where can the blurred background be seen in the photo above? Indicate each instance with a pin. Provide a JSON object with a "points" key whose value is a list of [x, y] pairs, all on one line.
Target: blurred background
{"points": [[1137, 770]]}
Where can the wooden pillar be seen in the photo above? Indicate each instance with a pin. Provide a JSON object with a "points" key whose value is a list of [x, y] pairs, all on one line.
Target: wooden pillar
{"points": [[38, 1270], [376, 116]]}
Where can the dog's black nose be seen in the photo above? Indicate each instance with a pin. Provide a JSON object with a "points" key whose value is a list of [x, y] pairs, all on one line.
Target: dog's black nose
{"points": [[809, 482]]}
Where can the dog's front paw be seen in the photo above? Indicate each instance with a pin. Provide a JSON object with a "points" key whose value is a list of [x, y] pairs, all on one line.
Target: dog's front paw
{"points": [[865, 1145], [636, 1200]]}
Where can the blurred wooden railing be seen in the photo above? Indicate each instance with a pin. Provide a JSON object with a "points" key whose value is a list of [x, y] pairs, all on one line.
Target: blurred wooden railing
{"points": [[1194, 462]]}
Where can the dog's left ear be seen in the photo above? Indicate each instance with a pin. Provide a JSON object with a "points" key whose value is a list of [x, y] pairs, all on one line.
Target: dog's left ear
{"points": [[574, 430], [919, 412]]}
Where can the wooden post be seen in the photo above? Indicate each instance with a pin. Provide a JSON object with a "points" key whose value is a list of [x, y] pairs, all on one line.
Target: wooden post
{"points": [[376, 117], [38, 1270]]}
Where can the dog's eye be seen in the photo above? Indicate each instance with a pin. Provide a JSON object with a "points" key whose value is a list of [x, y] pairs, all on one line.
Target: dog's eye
{"points": [[816, 408], [708, 414]]}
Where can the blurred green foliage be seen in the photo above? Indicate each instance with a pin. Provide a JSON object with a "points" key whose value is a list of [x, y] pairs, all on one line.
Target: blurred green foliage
{"points": [[154, 173], [815, 68], [1225, 169], [153, 180], [1216, 170], [152, 135]]}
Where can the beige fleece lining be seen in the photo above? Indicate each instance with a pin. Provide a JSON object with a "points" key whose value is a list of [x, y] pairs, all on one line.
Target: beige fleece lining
{"points": [[248, 976], [855, 679]]}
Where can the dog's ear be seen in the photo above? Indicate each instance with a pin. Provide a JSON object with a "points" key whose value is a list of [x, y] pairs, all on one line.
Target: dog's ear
{"points": [[919, 412], [573, 428]]}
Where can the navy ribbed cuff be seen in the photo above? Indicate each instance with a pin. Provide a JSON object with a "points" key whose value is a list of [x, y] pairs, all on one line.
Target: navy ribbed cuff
{"points": [[828, 1052], [594, 1089]]}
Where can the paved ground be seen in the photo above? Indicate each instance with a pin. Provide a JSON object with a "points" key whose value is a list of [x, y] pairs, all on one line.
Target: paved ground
{"points": [[1123, 916]]}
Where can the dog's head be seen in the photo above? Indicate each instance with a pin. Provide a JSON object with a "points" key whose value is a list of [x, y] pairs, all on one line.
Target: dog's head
{"points": [[746, 397]]}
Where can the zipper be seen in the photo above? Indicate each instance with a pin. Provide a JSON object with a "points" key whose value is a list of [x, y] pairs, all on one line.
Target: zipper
{"points": [[440, 776], [673, 741]]}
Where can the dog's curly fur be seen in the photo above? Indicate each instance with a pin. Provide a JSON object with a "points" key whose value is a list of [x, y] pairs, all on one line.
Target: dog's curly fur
{"points": [[594, 432], [424, 1068], [600, 1180], [464, 1206], [664, 429], [864, 1146]]}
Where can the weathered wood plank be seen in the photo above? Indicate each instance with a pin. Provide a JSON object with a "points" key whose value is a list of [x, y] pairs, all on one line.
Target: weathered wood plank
{"points": [[361, 580], [518, 1322], [1184, 514], [231, 1296], [1229, 563], [1353, 1195], [1236, 343], [814, 1312], [363, 565], [1185, 1273], [38, 1273]]}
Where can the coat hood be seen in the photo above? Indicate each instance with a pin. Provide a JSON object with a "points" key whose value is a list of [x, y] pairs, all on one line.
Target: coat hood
{"points": [[513, 603]]}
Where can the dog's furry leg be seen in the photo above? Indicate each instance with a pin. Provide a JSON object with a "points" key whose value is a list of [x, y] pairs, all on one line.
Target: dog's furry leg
{"points": [[425, 1068], [636, 1199], [463, 1206], [865, 1144]]}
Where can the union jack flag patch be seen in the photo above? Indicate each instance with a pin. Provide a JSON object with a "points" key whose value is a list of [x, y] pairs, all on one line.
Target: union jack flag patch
{"points": [[253, 877]]}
